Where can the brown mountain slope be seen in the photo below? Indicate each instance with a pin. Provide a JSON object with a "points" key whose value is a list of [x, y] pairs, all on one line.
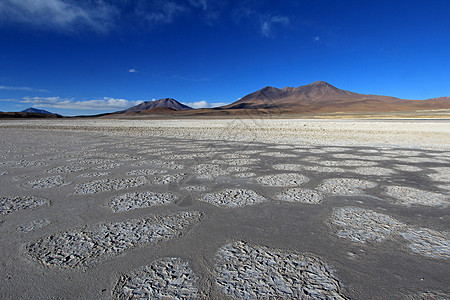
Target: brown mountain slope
{"points": [[322, 97], [148, 105]]}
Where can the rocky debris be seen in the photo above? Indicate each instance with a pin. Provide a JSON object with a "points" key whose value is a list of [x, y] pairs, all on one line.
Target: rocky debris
{"points": [[109, 166], [442, 174], [145, 172], [377, 171], [428, 242], [300, 195], [46, 182], [237, 169], [411, 196], [11, 204], [103, 185], [345, 186], [170, 165], [233, 198], [90, 161], [287, 167], [33, 225], [348, 163], [362, 225], [166, 278], [235, 155], [94, 174], [65, 169], [209, 171], [256, 272], [131, 201], [22, 164], [195, 188], [324, 169], [242, 161], [168, 179], [285, 179], [81, 247]]}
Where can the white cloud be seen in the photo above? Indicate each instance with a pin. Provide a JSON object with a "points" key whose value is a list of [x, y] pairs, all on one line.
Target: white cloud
{"points": [[199, 3], [59, 14], [133, 70], [20, 88], [97, 104], [204, 104], [268, 22], [316, 38], [198, 104], [164, 13]]}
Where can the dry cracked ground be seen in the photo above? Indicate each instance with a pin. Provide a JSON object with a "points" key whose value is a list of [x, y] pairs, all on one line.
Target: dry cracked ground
{"points": [[93, 213]]}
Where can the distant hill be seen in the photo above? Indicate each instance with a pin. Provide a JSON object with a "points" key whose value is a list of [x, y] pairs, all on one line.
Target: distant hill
{"points": [[170, 103], [322, 97], [37, 111], [317, 98]]}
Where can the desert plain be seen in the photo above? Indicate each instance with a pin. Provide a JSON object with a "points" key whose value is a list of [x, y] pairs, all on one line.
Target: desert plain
{"points": [[247, 208]]}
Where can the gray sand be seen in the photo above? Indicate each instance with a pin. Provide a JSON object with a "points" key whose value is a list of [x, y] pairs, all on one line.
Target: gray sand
{"points": [[216, 209]]}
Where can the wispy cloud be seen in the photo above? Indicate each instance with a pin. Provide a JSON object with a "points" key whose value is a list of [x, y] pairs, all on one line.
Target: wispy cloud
{"points": [[267, 24], [58, 14], [162, 13], [204, 104], [21, 88], [98, 104], [133, 70], [203, 4]]}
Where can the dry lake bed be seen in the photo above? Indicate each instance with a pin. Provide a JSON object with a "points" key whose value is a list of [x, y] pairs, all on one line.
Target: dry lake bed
{"points": [[217, 209]]}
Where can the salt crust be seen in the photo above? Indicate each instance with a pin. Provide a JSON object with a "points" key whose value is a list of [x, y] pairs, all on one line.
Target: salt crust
{"points": [[411, 196], [65, 169], [378, 171], [103, 185], [233, 198], [145, 172], [12, 204], [283, 180], [300, 195], [209, 171], [170, 178], [46, 183], [287, 167], [82, 247], [257, 272], [94, 174], [363, 225], [131, 201], [345, 186], [166, 278]]}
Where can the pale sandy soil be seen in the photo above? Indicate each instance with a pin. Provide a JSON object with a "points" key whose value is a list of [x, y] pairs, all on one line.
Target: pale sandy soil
{"points": [[224, 209]]}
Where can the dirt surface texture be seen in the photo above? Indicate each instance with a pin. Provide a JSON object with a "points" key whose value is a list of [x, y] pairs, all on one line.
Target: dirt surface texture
{"points": [[224, 209]]}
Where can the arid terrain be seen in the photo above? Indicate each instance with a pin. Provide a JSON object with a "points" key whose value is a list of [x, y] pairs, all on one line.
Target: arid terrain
{"points": [[234, 208]]}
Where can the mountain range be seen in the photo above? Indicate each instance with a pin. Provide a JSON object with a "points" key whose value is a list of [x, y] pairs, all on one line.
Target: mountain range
{"points": [[316, 98], [36, 111], [158, 106], [29, 113]]}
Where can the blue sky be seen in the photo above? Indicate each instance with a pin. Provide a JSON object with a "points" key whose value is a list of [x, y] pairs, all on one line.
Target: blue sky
{"points": [[95, 56]]}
